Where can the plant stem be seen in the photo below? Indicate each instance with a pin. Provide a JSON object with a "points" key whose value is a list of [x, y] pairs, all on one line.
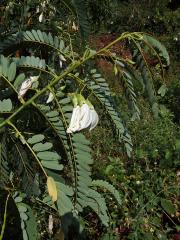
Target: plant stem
{"points": [[5, 217], [72, 67], [22, 137]]}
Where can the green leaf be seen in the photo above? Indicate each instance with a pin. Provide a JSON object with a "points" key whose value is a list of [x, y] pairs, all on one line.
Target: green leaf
{"points": [[52, 165], [42, 146], [25, 236], [40, 35], [5, 64], [22, 208], [18, 199], [162, 90], [80, 138], [12, 72], [64, 188], [50, 38], [48, 156], [31, 225], [61, 45], [35, 139], [23, 216], [19, 80], [158, 46], [35, 35], [168, 206], [64, 203], [177, 144], [52, 114], [6, 105]]}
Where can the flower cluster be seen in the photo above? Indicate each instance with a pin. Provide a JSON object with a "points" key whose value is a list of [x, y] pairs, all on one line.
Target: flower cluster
{"points": [[83, 115]]}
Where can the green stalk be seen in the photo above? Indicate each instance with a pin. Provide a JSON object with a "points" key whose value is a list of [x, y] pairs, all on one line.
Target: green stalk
{"points": [[22, 137], [65, 73], [5, 217]]}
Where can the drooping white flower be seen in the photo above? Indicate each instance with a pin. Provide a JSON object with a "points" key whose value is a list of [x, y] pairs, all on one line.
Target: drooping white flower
{"points": [[24, 87], [41, 17], [83, 115], [50, 98]]}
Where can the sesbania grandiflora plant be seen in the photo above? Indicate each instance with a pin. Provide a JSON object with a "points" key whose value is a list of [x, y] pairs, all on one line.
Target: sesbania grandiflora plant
{"points": [[48, 101]]}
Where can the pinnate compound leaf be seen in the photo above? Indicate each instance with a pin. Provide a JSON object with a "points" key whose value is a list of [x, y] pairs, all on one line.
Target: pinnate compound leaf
{"points": [[158, 46], [108, 187]]}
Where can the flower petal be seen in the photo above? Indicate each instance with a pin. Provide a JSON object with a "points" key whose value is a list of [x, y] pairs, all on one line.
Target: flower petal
{"points": [[41, 17], [74, 123], [62, 58], [50, 98], [95, 119], [24, 87], [85, 117], [34, 78]]}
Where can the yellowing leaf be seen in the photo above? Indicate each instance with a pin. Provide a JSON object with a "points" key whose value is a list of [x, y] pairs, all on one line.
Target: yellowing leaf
{"points": [[52, 190]]}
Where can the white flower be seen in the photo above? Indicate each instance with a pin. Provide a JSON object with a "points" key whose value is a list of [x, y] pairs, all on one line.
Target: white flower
{"points": [[41, 17], [62, 58], [24, 87], [83, 116], [43, 4], [50, 98], [37, 9], [60, 63], [74, 27]]}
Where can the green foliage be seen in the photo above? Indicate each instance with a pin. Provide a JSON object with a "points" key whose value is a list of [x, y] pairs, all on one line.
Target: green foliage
{"points": [[28, 221], [34, 131], [158, 46]]}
